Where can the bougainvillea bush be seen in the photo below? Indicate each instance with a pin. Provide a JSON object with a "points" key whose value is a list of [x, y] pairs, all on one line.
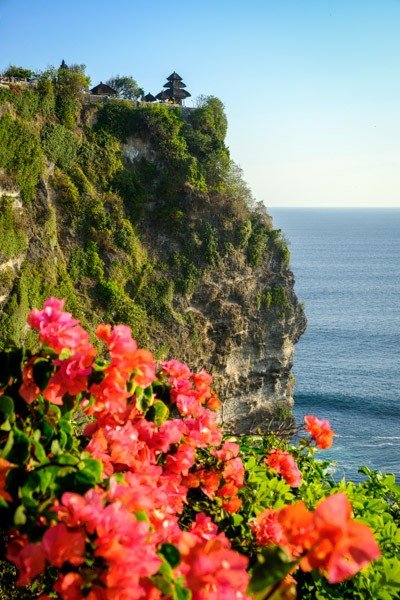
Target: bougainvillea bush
{"points": [[116, 482]]}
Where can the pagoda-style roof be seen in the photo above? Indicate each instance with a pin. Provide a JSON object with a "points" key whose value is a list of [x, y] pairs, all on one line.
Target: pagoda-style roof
{"points": [[103, 90], [175, 83], [163, 95], [174, 77], [174, 91], [149, 98]]}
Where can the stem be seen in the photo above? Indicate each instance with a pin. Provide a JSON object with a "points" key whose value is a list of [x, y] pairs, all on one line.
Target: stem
{"points": [[272, 591], [50, 464]]}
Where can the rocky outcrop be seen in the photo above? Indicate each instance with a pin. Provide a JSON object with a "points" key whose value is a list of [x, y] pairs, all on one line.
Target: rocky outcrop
{"points": [[248, 347]]}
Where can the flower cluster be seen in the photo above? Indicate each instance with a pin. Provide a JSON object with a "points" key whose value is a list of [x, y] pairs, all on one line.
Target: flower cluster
{"points": [[132, 508], [328, 538], [320, 431], [67, 339], [283, 463]]}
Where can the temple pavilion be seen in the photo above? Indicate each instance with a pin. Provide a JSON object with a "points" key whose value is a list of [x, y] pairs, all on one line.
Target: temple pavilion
{"points": [[174, 91], [103, 90]]}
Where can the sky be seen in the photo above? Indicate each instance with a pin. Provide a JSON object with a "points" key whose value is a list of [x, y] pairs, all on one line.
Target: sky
{"points": [[311, 87]]}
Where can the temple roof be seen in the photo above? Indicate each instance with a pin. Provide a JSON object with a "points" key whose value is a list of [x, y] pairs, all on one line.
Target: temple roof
{"points": [[174, 77], [163, 95], [175, 83], [149, 98], [103, 90], [174, 89]]}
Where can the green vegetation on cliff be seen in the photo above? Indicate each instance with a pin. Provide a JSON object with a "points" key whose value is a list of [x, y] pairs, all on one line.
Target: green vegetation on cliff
{"points": [[125, 207]]}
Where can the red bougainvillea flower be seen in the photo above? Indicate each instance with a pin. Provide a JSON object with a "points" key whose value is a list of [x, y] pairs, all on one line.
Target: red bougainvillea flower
{"points": [[29, 559], [283, 463], [29, 391], [320, 431], [267, 528], [61, 544], [125, 355], [69, 586], [298, 526], [5, 466], [328, 538], [344, 546]]}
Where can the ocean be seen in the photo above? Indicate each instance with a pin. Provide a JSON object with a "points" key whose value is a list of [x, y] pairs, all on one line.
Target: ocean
{"points": [[346, 264]]}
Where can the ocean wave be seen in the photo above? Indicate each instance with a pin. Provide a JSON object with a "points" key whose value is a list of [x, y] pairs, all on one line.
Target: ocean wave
{"points": [[341, 403]]}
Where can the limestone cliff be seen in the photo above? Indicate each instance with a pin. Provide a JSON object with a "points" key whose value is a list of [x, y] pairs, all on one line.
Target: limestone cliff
{"points": [[138, 215]]}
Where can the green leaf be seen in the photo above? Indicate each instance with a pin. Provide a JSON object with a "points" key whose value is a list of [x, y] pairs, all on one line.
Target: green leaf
{"points": [[20, 449], [55, 447], [94, 467], [42, 371], [39, 451], [6, 406], [171, 554], [20, 516], [273, 564], [158, 413], [46, 476]]}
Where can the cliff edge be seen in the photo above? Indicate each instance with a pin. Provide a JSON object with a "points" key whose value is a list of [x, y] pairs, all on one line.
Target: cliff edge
{"points": [[136, 214]]}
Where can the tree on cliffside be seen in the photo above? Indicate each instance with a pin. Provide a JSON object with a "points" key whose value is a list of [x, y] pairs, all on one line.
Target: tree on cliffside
{"points": [[19, 72], [126, 87]]}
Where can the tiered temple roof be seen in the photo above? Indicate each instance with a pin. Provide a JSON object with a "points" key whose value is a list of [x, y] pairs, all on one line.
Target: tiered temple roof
{"points": [[174, 92]]}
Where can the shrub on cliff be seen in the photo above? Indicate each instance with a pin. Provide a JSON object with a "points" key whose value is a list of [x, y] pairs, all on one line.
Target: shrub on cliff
{"points": [[116, 481]]}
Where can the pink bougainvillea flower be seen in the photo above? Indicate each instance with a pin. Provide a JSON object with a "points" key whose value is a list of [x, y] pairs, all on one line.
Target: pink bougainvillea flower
{"points": [[214, 572], [61, 544], [267, 528], [57, 329], [182, 460], [227, 451], [233, 471], [174, 369], [203, 527], [283, 463], [320, 431], [70, 377]]}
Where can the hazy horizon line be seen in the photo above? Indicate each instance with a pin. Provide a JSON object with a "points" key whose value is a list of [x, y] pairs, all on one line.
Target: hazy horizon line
{"points": [[320, 207]]}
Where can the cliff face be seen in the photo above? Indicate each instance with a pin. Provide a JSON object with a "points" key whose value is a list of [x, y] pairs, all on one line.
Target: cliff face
{"points": [[145, 220]]}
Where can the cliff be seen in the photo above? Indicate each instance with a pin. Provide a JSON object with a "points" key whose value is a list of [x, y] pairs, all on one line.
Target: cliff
{"points": [[138, 215]]}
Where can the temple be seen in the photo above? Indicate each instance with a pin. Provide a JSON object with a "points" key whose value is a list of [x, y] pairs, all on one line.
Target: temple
{"points": [[103, 90], [174, 92]]}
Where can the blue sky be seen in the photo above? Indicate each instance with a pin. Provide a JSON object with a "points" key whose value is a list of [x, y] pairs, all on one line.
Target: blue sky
{"points": [[311, 87]]}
